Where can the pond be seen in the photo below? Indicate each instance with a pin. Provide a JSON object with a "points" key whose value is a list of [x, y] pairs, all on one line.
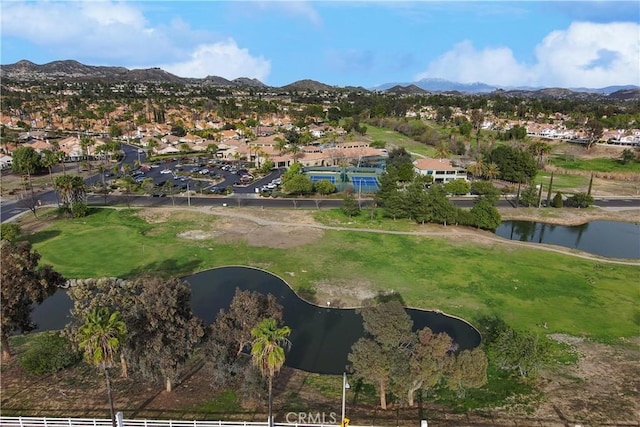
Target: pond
{"points": [[321, 337], [607, 238]]}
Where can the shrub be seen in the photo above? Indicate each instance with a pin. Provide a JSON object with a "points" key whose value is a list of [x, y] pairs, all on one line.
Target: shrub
{"points": [[580, 200], [49, 353], [79, 210], [557, 200]]}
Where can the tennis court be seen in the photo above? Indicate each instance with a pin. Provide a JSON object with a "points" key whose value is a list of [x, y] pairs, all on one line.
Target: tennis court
{"points": [[316, 178], [362, 180], [367, 184]]}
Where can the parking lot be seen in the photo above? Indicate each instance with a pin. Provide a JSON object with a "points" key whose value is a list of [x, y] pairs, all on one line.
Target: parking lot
{"points": [[206, 177]]}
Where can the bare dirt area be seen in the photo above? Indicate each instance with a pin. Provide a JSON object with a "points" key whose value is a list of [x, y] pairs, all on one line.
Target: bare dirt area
{"points": [[603, 386]]}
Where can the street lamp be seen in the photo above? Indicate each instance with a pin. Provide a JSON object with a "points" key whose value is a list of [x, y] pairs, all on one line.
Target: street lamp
{"points": [[345, 386]]}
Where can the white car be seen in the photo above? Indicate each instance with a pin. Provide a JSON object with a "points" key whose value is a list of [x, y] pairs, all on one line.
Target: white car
{"points": [[166, 171]]}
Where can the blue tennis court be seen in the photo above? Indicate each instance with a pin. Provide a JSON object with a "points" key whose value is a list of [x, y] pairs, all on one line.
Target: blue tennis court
{"points": [[364, 180], [367, 184], [316, 178]]}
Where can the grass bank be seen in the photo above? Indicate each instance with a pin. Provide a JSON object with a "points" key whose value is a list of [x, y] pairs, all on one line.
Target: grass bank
{"points": [[526, 287]]}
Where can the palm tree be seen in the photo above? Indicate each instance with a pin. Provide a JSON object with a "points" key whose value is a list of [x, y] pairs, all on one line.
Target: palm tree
{"points": [[491, 171], [267, 351], [99, 338]]}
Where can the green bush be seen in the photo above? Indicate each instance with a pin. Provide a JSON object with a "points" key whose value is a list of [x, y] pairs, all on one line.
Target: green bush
{"points": [[79, 210], [557, 200], [580, 200], [47, 354]]}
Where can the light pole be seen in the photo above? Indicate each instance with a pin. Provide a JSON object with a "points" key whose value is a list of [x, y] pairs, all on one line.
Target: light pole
{"points": [[345, 386]]}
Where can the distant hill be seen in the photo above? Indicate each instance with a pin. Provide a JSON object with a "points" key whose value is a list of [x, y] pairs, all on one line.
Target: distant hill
{"points": [[70, 70], [446, 86], [406, 90], [306, 86], [75, 71], [626, 94], [441, 85]]}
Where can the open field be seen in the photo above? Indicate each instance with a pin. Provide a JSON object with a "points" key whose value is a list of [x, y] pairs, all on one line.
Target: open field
{"points": [[458, 270]]}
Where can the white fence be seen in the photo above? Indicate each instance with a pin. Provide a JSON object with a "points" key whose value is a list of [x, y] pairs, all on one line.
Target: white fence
{"points": [[103, 422]]}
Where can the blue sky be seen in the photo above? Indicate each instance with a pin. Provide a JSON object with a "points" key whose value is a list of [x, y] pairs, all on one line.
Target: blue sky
{"points": [[342, 43]]}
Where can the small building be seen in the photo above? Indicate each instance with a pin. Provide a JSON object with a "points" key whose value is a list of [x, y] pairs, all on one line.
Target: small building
{"points": [[441, 170]]}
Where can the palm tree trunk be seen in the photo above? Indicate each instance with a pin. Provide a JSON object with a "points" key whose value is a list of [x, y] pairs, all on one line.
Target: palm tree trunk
{"points": [[6, 350], [270, 401], [113, 415]]}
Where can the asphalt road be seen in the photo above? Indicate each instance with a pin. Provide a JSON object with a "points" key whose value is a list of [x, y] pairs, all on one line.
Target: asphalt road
{"points": [[244, 196]]}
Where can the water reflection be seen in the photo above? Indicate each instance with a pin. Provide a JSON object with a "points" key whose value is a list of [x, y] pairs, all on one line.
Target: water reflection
{"points": [[606, 238]]}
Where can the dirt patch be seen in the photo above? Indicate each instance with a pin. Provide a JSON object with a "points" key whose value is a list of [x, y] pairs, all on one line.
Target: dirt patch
{"points": [[343, 294], [570, 216], [255, 227], [603, 386]]}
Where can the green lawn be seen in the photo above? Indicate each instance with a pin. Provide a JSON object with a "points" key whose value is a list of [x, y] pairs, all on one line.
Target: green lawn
{"points": [[526, 287], [562, 182], [397, 139], [602, 164]]}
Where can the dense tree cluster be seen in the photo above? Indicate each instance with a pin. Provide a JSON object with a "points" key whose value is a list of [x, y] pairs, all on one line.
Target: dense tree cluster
{"points": [[414, 201], [24, 283], [400, 362]]}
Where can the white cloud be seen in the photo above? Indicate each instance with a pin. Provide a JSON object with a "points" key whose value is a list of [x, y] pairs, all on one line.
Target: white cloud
{"points": [[224, 59], [118, 33], [584, 55], [465, 64]]}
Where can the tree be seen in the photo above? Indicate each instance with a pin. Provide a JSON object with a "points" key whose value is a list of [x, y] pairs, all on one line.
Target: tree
{"points": [[91, 294], [467, 369], [384, 347], [24, 284], [442, 210], [457, 187], [580, 200], [594, 130], [163, 332], [557, 200], [298, 184], [247, 309], [514, 165], [350, 205], [388, 185], [26, 162], [99, 338], [10, 231], [72, 192], [324, 187], [427, 363], [540, 149], [523, 352], [485, 215], [416, 202], [49, 160], [268, 352], [398, 157], [485, 188]]}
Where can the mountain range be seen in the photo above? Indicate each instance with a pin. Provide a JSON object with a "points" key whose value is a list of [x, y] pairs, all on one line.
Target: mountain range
{"points": [[70, 70]]}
